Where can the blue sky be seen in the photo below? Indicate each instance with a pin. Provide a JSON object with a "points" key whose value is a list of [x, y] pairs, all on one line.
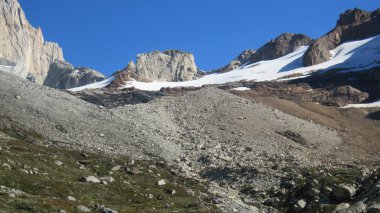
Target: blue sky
{"points": [[106, 34]]}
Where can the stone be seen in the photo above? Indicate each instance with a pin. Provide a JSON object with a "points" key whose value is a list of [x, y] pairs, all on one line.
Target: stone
{"points": [[108, 179], [82, 208], [357, 207], [116, 168], [150, 196], [17, 97], [161, 182], [225, 158], [343, 192], [300, 205], [342, 206], [102, 134], [58, 163], [313, 192], [170, 191], [89, 179], [252, 202], [374, 208], [108, 210], [71, 198]]}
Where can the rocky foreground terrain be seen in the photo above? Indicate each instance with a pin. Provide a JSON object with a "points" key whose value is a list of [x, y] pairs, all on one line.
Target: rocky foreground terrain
{"points": [[254, 153]]}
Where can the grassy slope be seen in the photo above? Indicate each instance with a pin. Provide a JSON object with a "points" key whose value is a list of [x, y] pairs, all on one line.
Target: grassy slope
{"points": [[48, 190]]}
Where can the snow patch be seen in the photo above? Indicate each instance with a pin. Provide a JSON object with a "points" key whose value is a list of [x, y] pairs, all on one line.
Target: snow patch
{"points": [[241, 88], [97, 85], [350, 56], [367, 105]]}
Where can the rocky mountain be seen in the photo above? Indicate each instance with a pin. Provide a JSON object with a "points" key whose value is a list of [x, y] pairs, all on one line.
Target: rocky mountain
{"points": [[170, 65], [63, 75], [280, 46], [25, 53], [352, 25], [243, 58]]}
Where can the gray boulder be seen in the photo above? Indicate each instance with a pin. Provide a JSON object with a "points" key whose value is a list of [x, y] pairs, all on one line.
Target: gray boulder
{"points": [[374, 208], [343, 192]]}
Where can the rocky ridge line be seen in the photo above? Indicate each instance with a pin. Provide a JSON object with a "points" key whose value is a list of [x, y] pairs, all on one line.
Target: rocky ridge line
{"points": [[352, 25]]}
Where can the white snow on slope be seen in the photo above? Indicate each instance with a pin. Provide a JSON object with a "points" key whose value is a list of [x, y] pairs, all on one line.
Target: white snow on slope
{"points": [[97, 85], [241, 88], [352, 56], [367, 105]]}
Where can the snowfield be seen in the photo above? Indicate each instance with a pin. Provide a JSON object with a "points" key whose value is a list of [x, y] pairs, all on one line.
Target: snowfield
{"points": [[352, 56], [366, 105]]}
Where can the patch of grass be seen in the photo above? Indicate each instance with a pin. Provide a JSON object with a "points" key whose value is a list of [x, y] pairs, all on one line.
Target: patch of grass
{"points": [[47, 191]]}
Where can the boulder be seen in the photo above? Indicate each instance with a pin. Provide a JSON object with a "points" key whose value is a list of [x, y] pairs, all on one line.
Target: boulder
{"points": [[89, 179], [374, 208], [343, 192], [107, 179], [161, 182], [81, 208], [357, 207]]}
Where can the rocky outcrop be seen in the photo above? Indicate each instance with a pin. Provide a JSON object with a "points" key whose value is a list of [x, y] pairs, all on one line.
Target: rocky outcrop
{"points": [[352, 25], [23, 49], [282, 45], [243, 58], [170, 65], [63, 75]]}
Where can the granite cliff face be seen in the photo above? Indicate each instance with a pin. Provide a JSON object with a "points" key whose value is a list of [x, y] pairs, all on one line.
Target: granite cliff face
{"points": [[23, 49], [352, 25], [63, 75], [170, 65]]}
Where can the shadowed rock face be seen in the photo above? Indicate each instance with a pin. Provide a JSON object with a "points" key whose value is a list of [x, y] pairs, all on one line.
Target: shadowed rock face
{"points": [[282, 45], [63, 75], [22, 46], [352, 25], [170, 65]]}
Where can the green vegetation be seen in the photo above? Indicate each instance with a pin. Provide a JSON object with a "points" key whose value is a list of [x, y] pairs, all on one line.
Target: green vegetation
{"points": [[48, 188]]}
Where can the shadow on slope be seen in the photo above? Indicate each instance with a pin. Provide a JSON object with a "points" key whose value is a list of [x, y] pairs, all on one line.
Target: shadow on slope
{"points": [[374, 115]]}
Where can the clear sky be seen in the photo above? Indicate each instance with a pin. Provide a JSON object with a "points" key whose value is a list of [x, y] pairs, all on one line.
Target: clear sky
{"points": [[106, 34]]}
